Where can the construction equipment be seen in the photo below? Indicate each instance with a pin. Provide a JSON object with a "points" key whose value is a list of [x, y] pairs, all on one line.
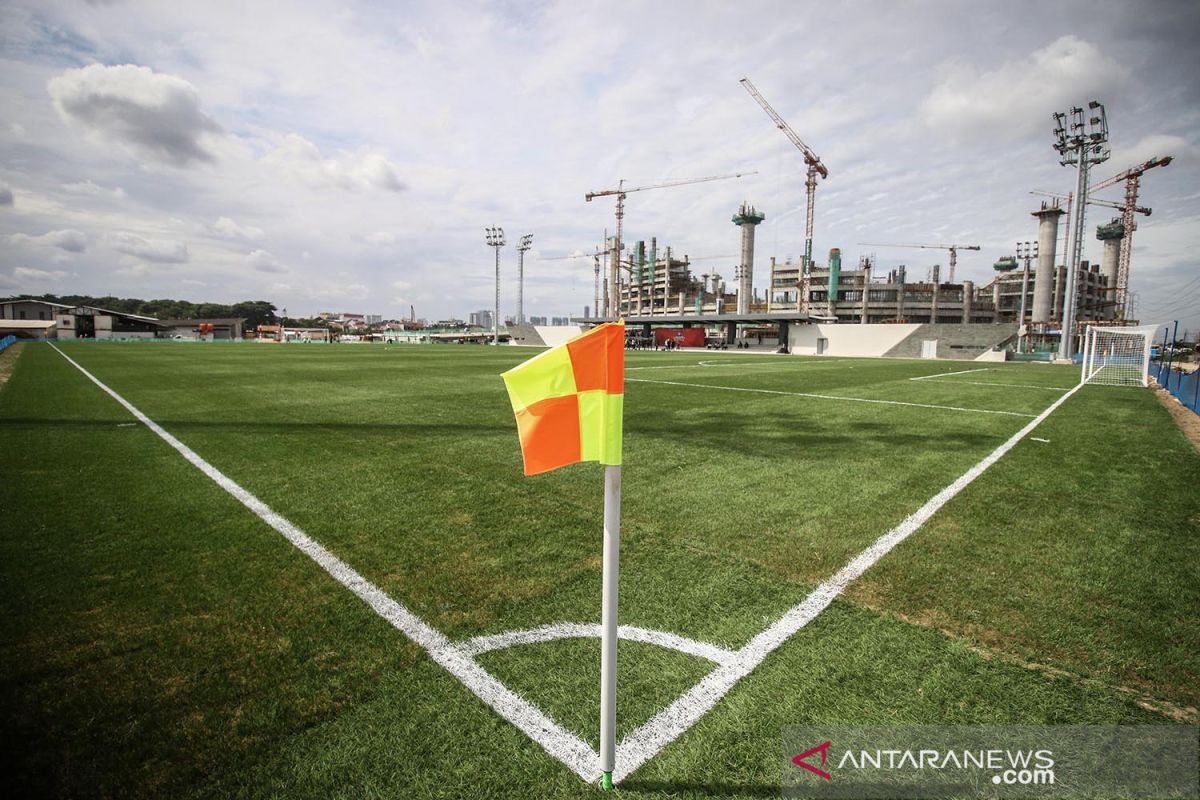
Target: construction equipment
{"points": [[1069, 197], [595, 256], [815, 168], [613, 305], [1131, 177], [953, 248]]}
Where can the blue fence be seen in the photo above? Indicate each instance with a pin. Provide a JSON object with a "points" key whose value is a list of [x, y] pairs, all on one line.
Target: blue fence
{"points": [[1183, 385], [6, 341]]}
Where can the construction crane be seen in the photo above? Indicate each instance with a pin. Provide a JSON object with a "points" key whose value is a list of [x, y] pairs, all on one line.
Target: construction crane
{"points": [[595, 256], [815, 168], [620, 191], [1069, 196], [1131, 177], [953, 248]]}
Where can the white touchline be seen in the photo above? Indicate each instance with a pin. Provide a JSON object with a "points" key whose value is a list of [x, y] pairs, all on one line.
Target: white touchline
{"points": [[640, 745], [829, 397], [573, 630], [554, 739], [713, 364], [1013, 385], [944, 374]]}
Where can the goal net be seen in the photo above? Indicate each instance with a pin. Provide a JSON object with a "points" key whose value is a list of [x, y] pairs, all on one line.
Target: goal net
{"points": [[1117, 356]]}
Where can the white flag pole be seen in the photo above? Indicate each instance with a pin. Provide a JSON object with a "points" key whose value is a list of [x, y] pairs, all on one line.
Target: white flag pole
{"points": [[608, 622]]}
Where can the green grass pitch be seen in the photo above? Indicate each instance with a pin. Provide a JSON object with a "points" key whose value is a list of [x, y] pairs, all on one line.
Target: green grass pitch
{"points": [[158, 639]]}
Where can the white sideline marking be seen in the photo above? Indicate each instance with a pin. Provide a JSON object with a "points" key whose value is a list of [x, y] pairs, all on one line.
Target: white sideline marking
{"points": [[712, 364], [555, 740], [831, 397], [944, 374], [1014, 385], [1036, 439], [571, 630], [668, 724]]}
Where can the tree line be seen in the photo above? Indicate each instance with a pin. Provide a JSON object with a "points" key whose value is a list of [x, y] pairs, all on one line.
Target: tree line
{"points": [[255, 312]]}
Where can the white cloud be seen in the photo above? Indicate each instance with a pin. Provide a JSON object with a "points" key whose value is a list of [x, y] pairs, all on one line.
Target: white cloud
{"points": [[1019, 96], [91, 189], [226, 228], [156, 116], [300, 158], [264, 261], [161, 251], [71, 240], [381, 238], [6, 196], [1149, 147], [26, 274]]}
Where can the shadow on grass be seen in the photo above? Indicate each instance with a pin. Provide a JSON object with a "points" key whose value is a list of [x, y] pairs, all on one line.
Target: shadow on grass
{"points": [[33, 423], [703, 789], [739, 432]]}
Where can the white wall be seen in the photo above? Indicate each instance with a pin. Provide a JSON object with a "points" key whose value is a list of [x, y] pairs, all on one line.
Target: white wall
{"points": [[847, 340], [554, 335]]}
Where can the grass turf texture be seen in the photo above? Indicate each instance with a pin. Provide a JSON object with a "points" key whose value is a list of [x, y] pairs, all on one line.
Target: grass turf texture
{"points": [[157, 639]]}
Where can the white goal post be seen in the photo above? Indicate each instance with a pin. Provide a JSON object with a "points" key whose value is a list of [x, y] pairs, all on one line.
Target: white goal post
{"points": [[1117, 356]]}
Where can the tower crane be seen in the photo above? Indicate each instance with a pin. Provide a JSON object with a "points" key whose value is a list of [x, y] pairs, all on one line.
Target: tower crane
{"points": [[1131, 177], [595, 256], [815, 167], [953, 248], [1094, 202], [620, 191]]}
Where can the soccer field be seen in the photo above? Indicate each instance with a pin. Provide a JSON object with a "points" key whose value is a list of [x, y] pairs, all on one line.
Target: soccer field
{"points": [[810, 539]]}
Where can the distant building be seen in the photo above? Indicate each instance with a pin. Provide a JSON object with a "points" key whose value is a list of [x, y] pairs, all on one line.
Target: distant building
{"points": [[228, 328], [537, 321], [373, 319], [481, 319], [560, 320]]}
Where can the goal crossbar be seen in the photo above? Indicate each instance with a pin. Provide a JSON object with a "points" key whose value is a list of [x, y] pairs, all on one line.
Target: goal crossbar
{"points": [[1117, 356]]}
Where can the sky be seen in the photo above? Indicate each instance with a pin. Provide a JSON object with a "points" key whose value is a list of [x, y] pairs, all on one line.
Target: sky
{"points": [[346, 157]]}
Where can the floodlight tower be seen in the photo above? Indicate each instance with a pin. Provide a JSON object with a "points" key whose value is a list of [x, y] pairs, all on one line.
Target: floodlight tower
{"points": [[495, 240], [1082, 144], [525, 243]]}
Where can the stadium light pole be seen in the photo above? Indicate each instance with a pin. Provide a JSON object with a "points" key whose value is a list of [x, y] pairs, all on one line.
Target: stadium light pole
{"points": [[1082, 144], [1024, 251], [495, 240], [525, 243]]}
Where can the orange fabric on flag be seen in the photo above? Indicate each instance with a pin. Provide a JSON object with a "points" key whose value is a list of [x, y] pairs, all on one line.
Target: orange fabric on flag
{"points": [[599, 360], [549, 433]]}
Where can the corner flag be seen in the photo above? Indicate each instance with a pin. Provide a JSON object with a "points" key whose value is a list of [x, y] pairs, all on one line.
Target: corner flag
{"points": [[569, 403]]}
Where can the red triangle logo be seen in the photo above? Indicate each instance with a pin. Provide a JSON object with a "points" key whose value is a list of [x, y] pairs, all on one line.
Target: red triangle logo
{"points": [[823, 749]]}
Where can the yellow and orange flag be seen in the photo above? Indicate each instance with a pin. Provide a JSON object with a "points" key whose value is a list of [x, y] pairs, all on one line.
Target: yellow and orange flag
{"points": [[569, 401]]}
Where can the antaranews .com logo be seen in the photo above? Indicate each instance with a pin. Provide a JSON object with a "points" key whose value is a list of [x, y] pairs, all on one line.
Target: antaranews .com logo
{"points": [[991, 761], [1010, 767]]}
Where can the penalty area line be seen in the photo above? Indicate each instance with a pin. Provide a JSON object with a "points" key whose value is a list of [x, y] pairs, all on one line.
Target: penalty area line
{"points": [[830, 397], [671, 722], [565, 746], [944, 374]]}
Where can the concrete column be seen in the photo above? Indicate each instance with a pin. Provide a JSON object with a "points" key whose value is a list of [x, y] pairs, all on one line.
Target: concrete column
{"points": [[653, 271], [1060, 286], [937, 287], [968, 289], [1111, 234], [866, 291], [747, 219], [1043, 277]]}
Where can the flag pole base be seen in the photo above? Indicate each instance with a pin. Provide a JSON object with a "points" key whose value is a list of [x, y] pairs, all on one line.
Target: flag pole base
{"points": [[606, 782]]}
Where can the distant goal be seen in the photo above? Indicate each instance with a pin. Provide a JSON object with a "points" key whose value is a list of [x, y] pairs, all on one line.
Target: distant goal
{"points": [[1117, 356]]}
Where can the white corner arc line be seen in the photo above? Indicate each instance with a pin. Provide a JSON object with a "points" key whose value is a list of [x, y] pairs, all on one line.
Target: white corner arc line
{"points": [[573, 630], [565, 746], [642, 744], [832, 397], [944, 374]]}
